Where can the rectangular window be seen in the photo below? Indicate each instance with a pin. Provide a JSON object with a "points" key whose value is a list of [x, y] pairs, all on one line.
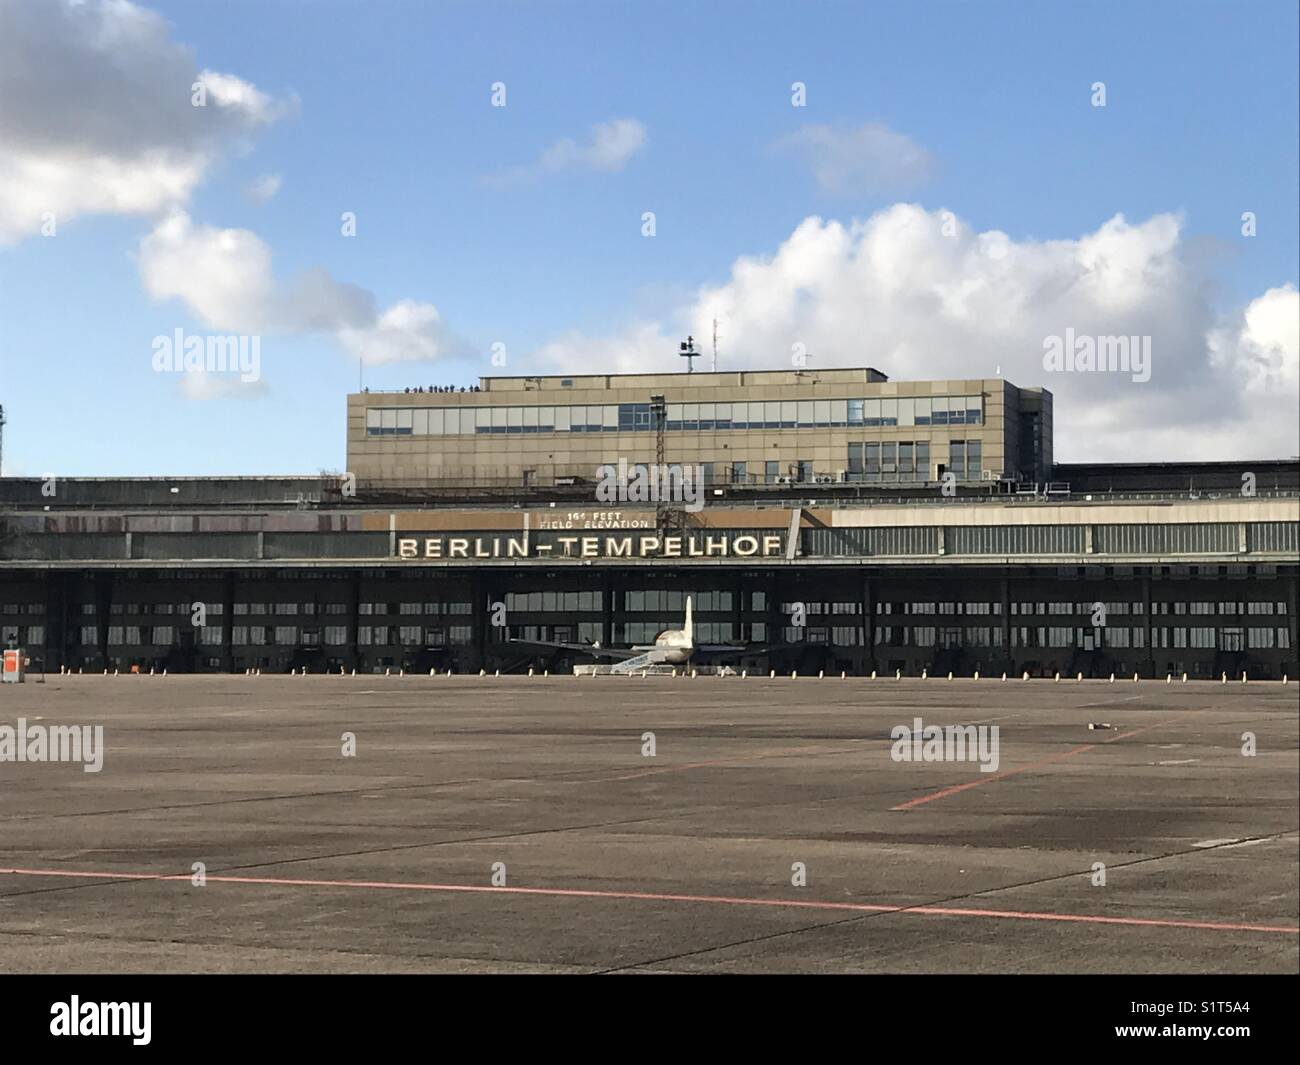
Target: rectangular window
{"points": [[889, 460], [1260, 639], [856, 461], [957, 458]]}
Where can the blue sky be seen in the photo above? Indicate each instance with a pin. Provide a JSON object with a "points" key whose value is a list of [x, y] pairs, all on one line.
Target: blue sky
{"points": [[387, 114]]}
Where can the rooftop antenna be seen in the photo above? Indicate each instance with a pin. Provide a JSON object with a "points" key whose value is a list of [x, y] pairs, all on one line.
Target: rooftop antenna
{"points": [[715, 345], [689, 353], [2, 439]]}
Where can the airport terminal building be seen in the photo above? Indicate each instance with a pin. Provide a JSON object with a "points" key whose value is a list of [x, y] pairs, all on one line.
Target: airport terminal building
{"points": [[847, 522]]}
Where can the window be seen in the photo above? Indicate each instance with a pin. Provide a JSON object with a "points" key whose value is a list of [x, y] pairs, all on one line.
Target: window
{"points": [[872, 463], [771, 470], [1259, 638], [889, 460], [957, 458]]}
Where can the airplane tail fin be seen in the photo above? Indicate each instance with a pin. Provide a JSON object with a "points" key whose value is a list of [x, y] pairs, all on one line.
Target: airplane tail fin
{"points": [[689, 627]]}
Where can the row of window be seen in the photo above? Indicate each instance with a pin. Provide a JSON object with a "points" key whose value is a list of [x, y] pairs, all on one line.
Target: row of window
{"points": [[412, 636], [22, 635], [688, 417], [1086, 639], [674, 602], [909, 460], [269, 635], [281, 609], [568, 602], [440, 608]]}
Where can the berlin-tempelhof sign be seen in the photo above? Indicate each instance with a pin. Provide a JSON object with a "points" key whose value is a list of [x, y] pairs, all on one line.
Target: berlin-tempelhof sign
{"points": [[642, 545]]}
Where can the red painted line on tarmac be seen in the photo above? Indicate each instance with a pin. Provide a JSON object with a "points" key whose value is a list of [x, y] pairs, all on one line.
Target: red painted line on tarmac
{"points": [[647, 896], [943, 793]]}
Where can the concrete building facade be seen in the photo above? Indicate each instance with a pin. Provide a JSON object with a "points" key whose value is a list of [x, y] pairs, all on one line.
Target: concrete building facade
{"points": [[743, 428]]}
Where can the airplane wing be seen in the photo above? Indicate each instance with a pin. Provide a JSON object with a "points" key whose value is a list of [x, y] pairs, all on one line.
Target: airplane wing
{"points": [[730, 649], [584, 648]]}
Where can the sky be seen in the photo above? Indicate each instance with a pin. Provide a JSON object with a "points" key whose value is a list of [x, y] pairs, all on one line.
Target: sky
{"points": [[405, 193]]}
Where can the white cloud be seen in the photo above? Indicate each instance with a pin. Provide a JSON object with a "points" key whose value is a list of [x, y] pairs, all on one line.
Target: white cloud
{"points": [[96, 114], [200, 386], [406, 331], [264, 188], [224, 276], [895, 292], [240, 98], [608, 148], [869, 158]]}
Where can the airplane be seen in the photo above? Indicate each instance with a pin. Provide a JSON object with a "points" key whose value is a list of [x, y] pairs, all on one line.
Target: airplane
{"points": [[672, 647]]}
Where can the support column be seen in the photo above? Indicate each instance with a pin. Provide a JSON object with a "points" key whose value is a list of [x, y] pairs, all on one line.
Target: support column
{"points": [[1293, 609], [353, 615], [228, 622], [56, 642], [103, 612], [775, 620], [738, 610], [608, 609], [1146, 610], [868, 625], [1007, 657], [478, 622]]}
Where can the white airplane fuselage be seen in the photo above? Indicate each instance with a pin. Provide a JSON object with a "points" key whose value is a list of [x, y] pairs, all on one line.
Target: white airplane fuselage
{"points": [[673, 646]]}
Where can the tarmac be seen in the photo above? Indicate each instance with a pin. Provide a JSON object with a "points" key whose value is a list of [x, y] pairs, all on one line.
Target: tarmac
{"points": [[651, 825]]}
